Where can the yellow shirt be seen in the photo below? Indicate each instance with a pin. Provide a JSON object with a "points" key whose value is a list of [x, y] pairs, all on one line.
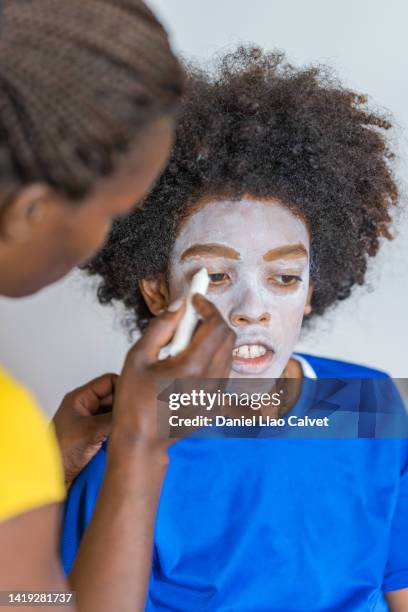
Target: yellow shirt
{"points": [[31, 473]]}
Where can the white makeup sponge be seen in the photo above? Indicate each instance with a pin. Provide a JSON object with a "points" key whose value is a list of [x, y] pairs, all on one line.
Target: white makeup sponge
{"points": [[187, 325]]}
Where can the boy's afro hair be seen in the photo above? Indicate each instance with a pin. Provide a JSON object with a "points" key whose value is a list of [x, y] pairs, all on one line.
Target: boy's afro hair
{"points": [[260, 126]]}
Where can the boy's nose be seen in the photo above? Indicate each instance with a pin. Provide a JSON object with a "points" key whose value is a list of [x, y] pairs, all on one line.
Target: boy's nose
{"points": [[240, 319]]}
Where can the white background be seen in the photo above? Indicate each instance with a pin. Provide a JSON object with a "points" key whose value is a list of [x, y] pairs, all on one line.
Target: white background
{"points": [[62, 337]]}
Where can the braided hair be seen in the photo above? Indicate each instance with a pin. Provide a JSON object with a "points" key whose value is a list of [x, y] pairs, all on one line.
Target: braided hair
{"points": [[78, 81]]}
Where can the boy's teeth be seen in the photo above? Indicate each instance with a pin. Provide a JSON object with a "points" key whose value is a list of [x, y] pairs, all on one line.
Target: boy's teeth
{"points": [[249, 351]]}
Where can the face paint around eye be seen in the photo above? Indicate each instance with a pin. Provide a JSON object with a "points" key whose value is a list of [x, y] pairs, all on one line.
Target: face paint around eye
{"points": [[262, 300], [216, 278]]}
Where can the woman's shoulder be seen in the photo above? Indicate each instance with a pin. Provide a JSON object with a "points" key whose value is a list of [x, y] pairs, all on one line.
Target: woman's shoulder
{"points": [[30, 463], [16, 399]]}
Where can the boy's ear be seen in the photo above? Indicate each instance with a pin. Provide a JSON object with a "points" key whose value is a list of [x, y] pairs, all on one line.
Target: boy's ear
{"points": [[24, 208], [156, 293], [308, 305]]}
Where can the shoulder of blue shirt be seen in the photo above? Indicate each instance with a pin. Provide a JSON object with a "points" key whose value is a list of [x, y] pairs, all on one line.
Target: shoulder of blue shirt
{"points": [[334, 368]]}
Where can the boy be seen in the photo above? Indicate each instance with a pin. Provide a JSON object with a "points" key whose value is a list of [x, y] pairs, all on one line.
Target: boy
{"points": [[279, 185]]}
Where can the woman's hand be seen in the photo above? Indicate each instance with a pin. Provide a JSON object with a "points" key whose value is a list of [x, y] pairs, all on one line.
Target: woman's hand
{"points": [[125, 513], [84, 419], [209, 355], [83, 422]]}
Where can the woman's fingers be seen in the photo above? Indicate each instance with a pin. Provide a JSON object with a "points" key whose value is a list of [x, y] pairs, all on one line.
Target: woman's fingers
{"points": [[209, 353], [159, 333], [213, 340], [91, 396]]}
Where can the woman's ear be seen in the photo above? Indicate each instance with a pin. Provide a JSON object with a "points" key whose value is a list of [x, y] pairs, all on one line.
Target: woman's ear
{"points": [[155, 292], [308, 305], [23, 209]]}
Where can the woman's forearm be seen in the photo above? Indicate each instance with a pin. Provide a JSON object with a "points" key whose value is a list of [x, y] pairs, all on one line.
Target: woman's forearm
{"points": [[113, 566]]}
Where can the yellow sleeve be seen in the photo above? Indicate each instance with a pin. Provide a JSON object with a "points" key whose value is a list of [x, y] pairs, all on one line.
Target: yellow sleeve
{"points": [[31, 473]]}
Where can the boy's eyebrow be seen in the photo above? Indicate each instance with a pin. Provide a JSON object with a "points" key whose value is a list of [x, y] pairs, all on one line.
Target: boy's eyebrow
{"points": [[290, 251], [210, 250]]}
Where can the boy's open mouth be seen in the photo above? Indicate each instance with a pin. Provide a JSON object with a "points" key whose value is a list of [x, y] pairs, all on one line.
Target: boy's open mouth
{"points": [[251, 358]]}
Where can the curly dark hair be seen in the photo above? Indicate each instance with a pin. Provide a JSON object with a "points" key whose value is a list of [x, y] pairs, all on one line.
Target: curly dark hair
{"points": [[258, 125]]}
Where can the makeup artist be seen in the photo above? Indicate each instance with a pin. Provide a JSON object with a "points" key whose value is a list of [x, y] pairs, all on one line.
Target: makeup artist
{"points": [[77, 152]]}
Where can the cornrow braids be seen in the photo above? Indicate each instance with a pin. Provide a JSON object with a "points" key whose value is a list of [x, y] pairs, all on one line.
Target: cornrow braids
{"points": [[78, 81]]}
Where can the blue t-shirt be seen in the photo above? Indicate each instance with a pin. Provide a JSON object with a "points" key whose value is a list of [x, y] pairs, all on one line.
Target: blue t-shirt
{"points": [[278, 524]]}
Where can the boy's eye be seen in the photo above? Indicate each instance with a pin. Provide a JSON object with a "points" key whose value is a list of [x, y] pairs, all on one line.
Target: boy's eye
{"points": [[286, 280], [218, 277]]}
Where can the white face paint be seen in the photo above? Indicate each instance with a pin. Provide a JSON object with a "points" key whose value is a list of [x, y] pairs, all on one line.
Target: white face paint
{"points": [[257, 256]]}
